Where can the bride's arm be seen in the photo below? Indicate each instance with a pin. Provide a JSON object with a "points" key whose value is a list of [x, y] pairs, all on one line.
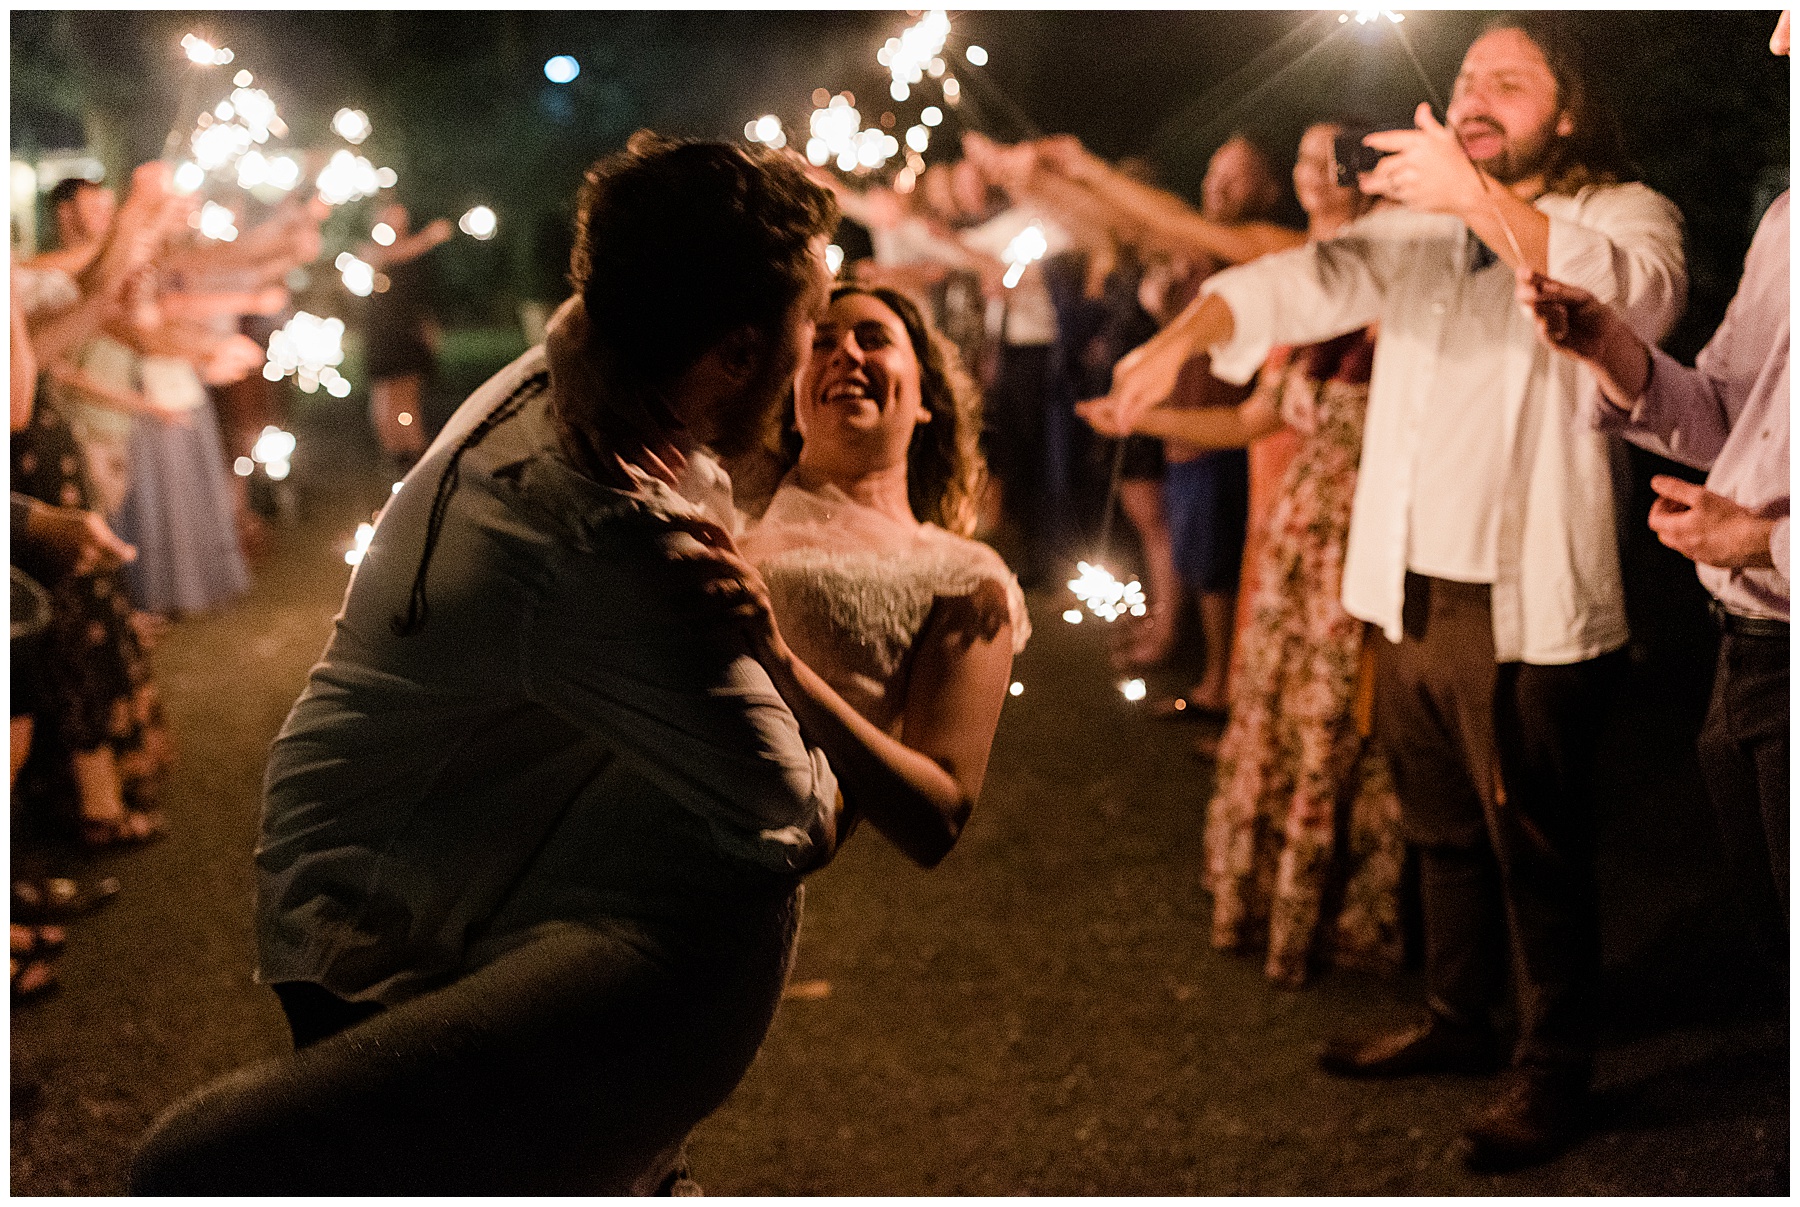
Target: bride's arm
{"points": [[917, 792]]}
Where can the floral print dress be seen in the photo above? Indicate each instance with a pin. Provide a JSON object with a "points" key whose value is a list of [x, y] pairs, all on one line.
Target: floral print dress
{"points": [[97, 688], [1302, 836]]}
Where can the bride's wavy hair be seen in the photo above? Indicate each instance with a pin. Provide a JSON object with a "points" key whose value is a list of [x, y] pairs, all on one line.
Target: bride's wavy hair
{"points": [[945, 469]]}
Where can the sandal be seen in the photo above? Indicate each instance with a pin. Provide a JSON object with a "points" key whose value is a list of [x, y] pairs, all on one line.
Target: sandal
{"points": [[132, 828], [29, 941], [58, 899], [31, 979]]}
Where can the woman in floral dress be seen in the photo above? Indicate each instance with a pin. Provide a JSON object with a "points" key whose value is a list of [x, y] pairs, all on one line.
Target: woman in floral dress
{"points": [[1302, 834]]}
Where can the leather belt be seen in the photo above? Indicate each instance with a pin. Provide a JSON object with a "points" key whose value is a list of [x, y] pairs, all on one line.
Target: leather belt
{"points": [[1747, 626]]}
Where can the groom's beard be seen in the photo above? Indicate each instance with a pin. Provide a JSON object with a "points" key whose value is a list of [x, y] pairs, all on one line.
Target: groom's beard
{"points": [[751, 419]]}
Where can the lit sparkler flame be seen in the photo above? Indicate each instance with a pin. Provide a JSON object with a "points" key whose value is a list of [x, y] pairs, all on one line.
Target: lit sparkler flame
{"points": [[836, 134], [1026, 248], [766, 130], [309, 349], [365, 533], [274, 451], [216, 222], [915, 52], [358, 275], [202, 53], [351, 125], [347, 178], [1365, 15], [1104, 595], [1133, 690], [189, 177], [479, 223]]}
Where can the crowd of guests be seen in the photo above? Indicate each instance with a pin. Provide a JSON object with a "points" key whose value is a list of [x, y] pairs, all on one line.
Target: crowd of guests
{"points": [[1413, 577], [124, 513]]}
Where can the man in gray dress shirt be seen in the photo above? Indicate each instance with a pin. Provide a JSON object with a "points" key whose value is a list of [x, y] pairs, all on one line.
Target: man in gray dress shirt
{"points": [[528, 876]]}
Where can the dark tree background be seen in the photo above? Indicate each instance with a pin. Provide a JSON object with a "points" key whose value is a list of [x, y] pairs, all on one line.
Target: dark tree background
{"points": [[462, 111]]}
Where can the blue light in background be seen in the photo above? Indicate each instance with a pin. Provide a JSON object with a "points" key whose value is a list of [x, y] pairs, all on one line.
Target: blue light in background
{"points": [[561, 69]]}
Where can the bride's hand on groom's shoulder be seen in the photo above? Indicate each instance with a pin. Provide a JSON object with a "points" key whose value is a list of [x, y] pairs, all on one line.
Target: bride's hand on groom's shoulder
{"points": [[729, 590]]}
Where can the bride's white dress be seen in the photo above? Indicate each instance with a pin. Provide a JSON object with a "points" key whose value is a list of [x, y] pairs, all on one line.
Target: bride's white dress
{"points": [[852, 588]]}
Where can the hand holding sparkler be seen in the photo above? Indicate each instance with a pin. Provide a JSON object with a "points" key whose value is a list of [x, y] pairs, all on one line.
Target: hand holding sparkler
{"points": [[234, 359], [1574, 321], [149, 212]]}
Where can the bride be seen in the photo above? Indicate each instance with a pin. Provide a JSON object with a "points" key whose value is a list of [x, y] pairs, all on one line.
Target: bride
{"points": [[887, 630]]}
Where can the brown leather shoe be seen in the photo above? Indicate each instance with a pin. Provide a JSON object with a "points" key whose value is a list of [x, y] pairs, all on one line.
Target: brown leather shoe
{"points": [[1433, 1046], [1538, 1115]]}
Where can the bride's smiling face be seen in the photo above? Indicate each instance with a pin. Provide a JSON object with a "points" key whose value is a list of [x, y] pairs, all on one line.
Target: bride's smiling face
{"points": [[859, 393]]}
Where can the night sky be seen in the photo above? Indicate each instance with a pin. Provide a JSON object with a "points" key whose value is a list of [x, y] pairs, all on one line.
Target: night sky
{"points": [[461, 108]]}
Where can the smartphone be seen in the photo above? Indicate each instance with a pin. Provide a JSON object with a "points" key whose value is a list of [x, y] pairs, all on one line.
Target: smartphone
{"points": [[1349, 157]]}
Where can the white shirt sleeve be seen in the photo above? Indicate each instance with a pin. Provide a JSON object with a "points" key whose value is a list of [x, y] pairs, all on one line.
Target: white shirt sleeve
{"points": [[1306, 295], [1623, 245]]}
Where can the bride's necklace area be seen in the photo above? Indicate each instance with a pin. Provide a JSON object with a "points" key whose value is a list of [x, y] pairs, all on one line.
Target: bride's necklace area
{"points": [[831, 497]]}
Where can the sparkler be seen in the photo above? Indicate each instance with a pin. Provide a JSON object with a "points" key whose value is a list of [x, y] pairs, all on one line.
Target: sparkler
{"points": [[766, 130], [215, 222], [1104, 595], [359, 547], [358, 275], [202, 53], [309, 349], [274, 451], [837, 135], [1133, 690], [479, 223], [346, 178], [1027, 248], [1017, 689], [351, 125], [916, 51]]}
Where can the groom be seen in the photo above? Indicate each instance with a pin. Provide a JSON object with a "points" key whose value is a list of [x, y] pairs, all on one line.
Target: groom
{"points": [[521, 699]]}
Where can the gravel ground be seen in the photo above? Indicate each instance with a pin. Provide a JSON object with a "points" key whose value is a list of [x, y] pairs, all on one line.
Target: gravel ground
{"points": [[1040, 1015]]}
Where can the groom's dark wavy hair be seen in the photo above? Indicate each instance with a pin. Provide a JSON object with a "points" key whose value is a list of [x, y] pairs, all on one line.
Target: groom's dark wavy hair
{"points": [[678, 244]]}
